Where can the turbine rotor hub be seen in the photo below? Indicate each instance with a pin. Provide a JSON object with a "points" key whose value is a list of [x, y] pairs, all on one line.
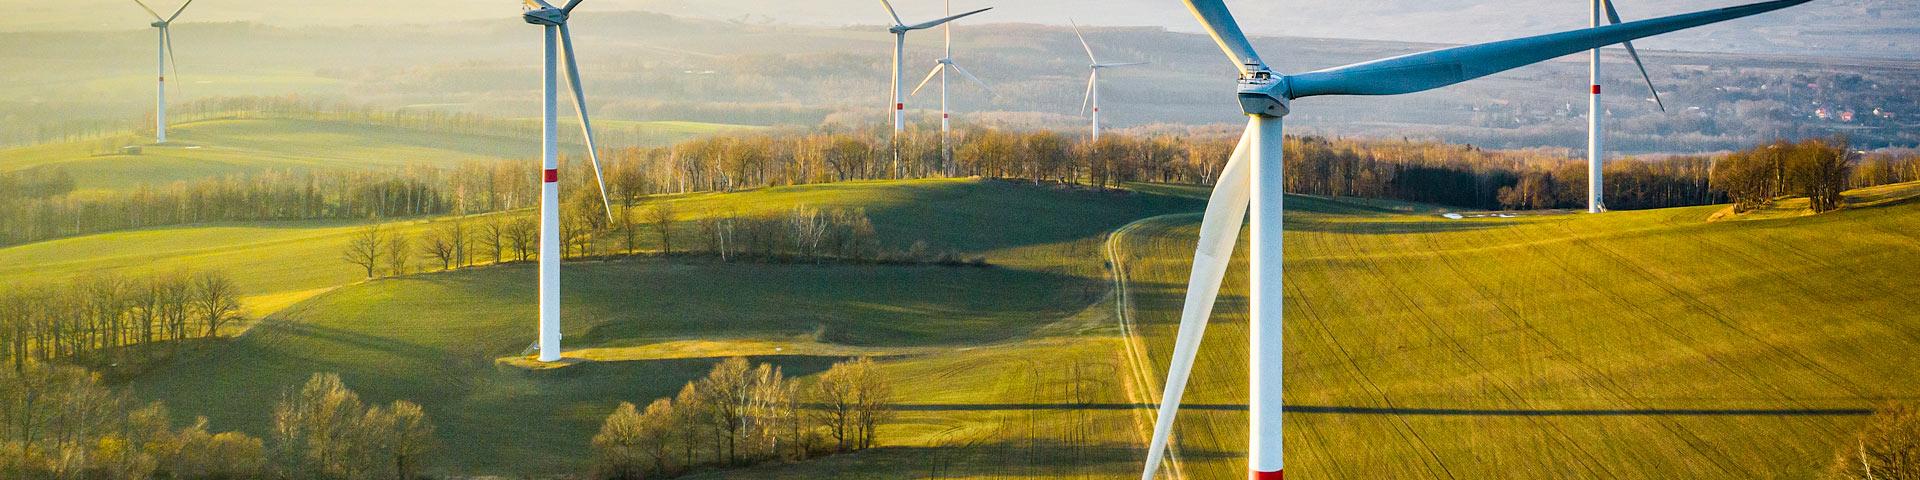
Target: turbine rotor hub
{"points": [[552, 17], [1264, 93]]}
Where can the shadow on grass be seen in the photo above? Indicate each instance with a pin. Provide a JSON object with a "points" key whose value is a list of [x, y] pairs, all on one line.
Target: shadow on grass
{"points": [[1443, 412]]}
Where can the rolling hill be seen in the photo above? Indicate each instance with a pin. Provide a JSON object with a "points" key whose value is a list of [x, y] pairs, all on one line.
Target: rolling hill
{"points": [[1650, 344], [1638, 344], [225, 146]]}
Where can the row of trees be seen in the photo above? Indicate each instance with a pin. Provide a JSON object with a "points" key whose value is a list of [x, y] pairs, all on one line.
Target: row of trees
{"points": [[803, 233], [1817, 169], [63, 423], [102, 312], [742, 414], [1457, 175]]}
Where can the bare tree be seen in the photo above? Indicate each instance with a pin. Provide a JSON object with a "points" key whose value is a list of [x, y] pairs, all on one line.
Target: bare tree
{"points": [[365, 247], [215, 300], [438, 243], [399, 254], [493, 234], [1887, 447], [661, 216], [728, 390], [521, 234]]}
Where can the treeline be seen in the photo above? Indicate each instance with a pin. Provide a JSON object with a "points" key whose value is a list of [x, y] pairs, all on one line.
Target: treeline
{"points": [[63, 423], [104, 312], [741, 414], [44, 207], [802, 234], [1817, 169]]}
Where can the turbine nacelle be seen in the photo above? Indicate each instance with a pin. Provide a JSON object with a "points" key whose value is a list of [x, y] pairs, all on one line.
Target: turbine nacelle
{"points": [[548, 16], [159, 24], [1264, 93]]}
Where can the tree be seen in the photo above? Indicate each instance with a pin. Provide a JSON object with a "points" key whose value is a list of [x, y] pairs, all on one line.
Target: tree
{"points": [[314, 426], [837, 398], [365, 248], [522, 233], [411, 438], [399, 254], [690, 410], [661, 216], [439, 244], [215, 300], [1887, 448], [493, 233], [617, 448], [728, 390]]}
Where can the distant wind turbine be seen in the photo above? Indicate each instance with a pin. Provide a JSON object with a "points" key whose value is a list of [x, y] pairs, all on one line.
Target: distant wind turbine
{"points": [[554, 21], [1093, 79], [899, 31], [940, 68], [164, 24], [1596, 202], [1253, 175]]}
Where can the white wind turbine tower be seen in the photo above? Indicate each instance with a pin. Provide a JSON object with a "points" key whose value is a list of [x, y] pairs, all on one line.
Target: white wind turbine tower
{"points": [[554, 22], [165, 25], [1252, 181], [1596, 203], [1093, 79], [940, 68], [899, 31]]}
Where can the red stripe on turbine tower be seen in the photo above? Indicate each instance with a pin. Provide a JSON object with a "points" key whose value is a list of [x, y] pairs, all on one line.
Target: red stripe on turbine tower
{"points": [[552, 175], [1258, 475], [900, 106], [1596, 89]]}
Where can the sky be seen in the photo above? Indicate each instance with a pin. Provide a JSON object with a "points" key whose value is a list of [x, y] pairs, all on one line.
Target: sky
{"points": [[1881, 28]]}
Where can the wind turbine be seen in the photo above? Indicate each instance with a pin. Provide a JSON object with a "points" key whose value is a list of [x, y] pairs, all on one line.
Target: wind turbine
{"points": [[164, 24], [554, 21], [940, 68], [899, 31], [1093, 79], [1595, 201], [1253, 176]]}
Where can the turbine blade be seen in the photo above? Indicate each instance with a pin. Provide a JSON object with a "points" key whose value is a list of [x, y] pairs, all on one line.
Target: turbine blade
{"points": [[1439, 68], [1613, 16], [538, 4], [1089, 96], [1644, 76], [176, 13], [1219, 230], [1083, 41], [976, 80], [930, 75], [586, 127], [937, 23], [570, 5], [890, 11], [166, 33], [1218, 20], [156, 15]]}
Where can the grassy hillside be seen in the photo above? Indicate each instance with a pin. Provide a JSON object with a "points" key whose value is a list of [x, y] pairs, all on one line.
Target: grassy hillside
{"points": [[1632, 344], [1647, 344], [212, 148], [653, 324]]}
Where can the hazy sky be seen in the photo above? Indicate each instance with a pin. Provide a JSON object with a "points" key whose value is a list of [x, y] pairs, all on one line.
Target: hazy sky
{"points": [[1885, 27]]}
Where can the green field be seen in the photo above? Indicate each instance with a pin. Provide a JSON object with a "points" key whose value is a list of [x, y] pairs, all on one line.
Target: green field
{"points": [[1632, 344], [214, 148], [642, 317], [1649, 344]]}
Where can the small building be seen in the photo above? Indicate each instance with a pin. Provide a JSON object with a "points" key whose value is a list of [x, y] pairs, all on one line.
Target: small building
{"points": [[130, 150]]}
